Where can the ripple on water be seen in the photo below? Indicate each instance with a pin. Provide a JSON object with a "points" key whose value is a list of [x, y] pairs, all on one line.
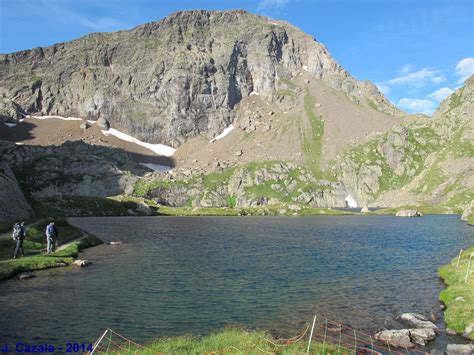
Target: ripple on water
{"points": [[180, 275]]}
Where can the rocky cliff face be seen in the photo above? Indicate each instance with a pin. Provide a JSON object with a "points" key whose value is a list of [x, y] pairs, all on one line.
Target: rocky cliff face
{"points": [[251, 185], [423, 160], [14, 206], [72, 169], [167, 81]]}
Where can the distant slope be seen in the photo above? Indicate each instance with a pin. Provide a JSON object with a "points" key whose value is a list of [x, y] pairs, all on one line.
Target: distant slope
{"points": [[428, 160]]}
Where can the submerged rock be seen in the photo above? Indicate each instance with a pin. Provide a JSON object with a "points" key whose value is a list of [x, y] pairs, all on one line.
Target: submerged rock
{"points": [[416, 320], [25, 276], [409, 213]]}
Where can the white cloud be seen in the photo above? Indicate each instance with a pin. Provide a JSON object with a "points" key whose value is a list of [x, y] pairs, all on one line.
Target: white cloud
{"points": [[464, 69], [417, 105], [271, 4], [384, 89], [419, 78], [407, 68], [441, 94]]}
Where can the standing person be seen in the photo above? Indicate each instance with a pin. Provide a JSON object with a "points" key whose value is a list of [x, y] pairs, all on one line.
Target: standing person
{"points": [[51, 237], [19, 234]]}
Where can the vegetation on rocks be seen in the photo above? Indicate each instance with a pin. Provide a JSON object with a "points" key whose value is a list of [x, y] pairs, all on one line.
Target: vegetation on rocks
{"points": [[459, 296]]}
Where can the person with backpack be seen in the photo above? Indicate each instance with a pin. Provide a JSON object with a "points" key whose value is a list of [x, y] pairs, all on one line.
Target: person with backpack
{"points": [[19, 234], [51, 237]]}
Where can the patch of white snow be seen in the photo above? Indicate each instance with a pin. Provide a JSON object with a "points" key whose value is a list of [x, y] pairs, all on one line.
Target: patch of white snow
{"points": [[224, 133]]}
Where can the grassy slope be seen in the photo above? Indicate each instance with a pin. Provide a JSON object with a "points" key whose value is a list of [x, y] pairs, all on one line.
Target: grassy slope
{"points": [[230, 341], [459, 314], [36, 243]]}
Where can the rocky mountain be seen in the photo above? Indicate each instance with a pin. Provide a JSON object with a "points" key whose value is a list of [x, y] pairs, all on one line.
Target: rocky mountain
{"points": [[425, 160], [167, 81], [301, 130]]}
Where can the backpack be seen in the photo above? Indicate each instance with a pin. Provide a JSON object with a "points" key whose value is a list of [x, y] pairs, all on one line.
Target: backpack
{"points": [[16, 231], [50, 231]]}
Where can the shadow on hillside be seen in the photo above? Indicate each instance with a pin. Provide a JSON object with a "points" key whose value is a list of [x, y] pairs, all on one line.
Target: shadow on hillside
{"points": [[18, 133], [74, 168]]}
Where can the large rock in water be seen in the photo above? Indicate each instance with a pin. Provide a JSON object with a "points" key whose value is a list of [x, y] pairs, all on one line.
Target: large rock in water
{"points": [[416, 320], [409, 213], [406, 338], [13, 204]]}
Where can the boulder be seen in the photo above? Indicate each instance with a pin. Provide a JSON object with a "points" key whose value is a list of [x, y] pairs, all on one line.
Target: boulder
{"points": [[25, 276], [84, 126], [398, 338], [468, 331], [421, 336], [416, 320], [406, 338], [460, 349], [81, 263], [103, 124], [365, 209], [409, 213]]}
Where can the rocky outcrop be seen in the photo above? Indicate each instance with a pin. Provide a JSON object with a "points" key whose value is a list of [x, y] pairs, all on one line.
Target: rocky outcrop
{"points": [[167, 81], [256, 184], [422, 160], [71, 169], [14, 206], [409, 213]]}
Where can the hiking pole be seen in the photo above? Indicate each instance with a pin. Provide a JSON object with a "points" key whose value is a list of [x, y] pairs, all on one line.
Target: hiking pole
{"points": [[311, 335]]}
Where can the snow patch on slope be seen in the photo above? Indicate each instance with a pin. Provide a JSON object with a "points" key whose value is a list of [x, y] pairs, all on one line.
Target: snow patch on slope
{"points": [[224, 133], [160, 149]]}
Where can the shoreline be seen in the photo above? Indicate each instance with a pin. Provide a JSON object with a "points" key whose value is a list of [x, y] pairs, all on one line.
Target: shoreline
{"points": [[73, 241]]}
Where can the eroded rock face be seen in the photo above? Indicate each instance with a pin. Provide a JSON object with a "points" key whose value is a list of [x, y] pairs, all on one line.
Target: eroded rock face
{"points": [[72, 169], [166, 81], [13, 206]]}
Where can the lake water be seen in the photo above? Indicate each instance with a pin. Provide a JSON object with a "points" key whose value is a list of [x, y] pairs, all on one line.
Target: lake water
{"points": [[176, 275]]}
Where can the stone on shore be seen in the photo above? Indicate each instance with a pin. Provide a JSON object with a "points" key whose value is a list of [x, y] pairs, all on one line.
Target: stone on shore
{"points": [[468, 331], [416, 320], [409, 213], [398, 338], [406, 338], [81, 263], [422, 335], [365, 209], [460, 349]]}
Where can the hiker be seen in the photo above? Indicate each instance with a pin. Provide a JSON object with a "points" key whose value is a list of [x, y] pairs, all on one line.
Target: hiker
{"points": [[51, 237], [19, 234]]}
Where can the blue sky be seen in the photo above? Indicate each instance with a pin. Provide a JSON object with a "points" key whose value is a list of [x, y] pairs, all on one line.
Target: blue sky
{"points": [[416, 51]]}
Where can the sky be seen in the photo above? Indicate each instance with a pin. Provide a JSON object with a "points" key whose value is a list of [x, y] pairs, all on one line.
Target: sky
{"points": [[416, 51]]}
